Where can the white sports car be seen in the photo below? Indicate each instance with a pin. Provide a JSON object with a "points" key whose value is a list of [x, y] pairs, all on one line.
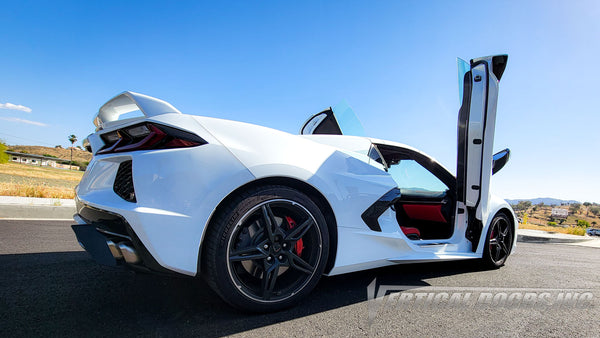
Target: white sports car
{"points": [[262, 214]]}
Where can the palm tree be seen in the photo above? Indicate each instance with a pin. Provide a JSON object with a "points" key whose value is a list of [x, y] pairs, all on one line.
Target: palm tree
{"points": [[72, 139]]}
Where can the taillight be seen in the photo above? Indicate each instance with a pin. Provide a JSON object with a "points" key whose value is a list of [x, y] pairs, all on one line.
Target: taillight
{"points": [[147, 136]]}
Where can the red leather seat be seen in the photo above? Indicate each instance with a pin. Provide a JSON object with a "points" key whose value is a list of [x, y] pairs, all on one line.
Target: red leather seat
{"points": [[411, 233]]}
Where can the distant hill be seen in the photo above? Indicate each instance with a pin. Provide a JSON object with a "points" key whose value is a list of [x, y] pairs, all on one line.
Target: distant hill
{"points": [[65, 154], [546, 200]]}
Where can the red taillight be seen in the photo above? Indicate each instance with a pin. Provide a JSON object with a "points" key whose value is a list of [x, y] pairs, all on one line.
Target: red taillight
{"points": [[147, 136]]}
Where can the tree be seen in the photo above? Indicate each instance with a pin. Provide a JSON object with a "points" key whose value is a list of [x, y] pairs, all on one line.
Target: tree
{"points": [[574, 208], [523, 205], [587, 204], [72, 139], [3, 155], [595, 210]]}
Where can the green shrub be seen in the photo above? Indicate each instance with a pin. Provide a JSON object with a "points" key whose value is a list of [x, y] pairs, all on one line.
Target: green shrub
{"points": [[3, 155], [582, 223], [552, 224]]}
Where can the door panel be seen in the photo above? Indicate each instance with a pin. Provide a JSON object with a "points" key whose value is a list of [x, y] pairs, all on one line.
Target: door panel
{"points": [[475, 137], [476, 127]]}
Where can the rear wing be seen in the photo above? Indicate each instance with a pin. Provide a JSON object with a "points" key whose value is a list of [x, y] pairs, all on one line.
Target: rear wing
{"points": [[127, 102]]}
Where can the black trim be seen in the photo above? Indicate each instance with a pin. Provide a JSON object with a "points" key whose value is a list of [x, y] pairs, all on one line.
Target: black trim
{"points": [[372, 213], [94, 243], [499, 65], [473, 232], [123, 185], [463, 135], [499, 160], [329, 125]]}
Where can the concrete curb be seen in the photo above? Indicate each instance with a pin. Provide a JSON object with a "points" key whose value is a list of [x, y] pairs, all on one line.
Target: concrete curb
{"points": [[536, 239], [36, 211], [538, 236], [16, 200], [30, 207]]}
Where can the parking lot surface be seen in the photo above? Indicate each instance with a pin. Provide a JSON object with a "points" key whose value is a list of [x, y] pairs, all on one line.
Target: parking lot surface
{"points": [[50, 287]]}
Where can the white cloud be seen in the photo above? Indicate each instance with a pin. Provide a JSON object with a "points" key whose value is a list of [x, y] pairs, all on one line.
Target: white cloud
{"points": [[9, 105], [16, 119]]}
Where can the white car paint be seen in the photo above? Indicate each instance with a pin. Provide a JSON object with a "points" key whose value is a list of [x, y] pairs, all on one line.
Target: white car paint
{"points": [[179, 189]]}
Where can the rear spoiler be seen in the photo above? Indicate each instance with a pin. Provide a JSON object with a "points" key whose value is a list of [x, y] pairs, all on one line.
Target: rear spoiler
{"points": [[127, 102]]}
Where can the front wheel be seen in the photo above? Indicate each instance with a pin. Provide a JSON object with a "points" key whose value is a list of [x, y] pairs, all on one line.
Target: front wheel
{"points": [[267, 249], [499, 241]]}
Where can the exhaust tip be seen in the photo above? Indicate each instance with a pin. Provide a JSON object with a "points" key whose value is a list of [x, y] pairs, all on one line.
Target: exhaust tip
{"points": [[128, 253], [114, 249]]}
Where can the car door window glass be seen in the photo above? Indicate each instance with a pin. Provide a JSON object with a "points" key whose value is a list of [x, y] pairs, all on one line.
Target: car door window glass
{"points": [[409, 174]]}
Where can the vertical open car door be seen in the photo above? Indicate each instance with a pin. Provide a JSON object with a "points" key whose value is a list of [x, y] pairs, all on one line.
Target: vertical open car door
{"points": [[339, 120], [478, 81]]}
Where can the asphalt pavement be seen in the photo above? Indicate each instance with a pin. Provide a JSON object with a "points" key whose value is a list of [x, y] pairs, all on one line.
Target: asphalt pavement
{"points": [[50, 287]]}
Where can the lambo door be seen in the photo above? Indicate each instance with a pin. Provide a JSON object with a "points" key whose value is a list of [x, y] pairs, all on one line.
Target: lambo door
{"points": [[478, 83], [339, 120]]}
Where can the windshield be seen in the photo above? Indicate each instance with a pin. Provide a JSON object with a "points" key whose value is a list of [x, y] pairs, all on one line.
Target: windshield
{"points": [[347, 120]]}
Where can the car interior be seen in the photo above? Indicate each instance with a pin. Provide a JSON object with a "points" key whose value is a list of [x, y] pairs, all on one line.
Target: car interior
{"points": [[425, 208]]}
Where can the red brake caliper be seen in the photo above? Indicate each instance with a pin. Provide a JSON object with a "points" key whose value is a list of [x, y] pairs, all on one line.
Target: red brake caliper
{"points": [[299, 244]]}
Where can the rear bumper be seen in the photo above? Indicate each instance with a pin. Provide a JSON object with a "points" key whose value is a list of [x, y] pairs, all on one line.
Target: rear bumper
{"points": [[110, 241]]}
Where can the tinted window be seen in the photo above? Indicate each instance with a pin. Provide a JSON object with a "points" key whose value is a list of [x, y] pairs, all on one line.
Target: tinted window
{"points": [[409, 174]]}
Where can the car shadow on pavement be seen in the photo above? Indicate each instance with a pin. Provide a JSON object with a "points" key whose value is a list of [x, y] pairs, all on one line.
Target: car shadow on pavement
{"points": [[66, 293]]}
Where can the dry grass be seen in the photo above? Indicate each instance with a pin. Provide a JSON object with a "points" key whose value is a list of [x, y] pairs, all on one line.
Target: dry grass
{"points": [[580, 231], [31, 181], [568, 230], [23, 190], [24, 170]]}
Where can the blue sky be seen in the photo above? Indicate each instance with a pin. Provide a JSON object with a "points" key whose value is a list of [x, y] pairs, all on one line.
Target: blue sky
{"points": [[276, 62]]}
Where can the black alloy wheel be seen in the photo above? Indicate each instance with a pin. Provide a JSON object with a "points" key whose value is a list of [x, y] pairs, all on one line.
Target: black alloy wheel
{"points": [[499, 241], [270, 251]]}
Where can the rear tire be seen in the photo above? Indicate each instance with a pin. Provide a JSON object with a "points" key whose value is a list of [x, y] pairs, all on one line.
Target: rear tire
{"points": [[266, 249], [499, 241]]}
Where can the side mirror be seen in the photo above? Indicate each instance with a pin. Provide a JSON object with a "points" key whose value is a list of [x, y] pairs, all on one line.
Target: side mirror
{"points": [[499, 160]]}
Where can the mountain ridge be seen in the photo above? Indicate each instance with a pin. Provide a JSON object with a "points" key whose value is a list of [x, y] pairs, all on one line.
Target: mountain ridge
{"points": [[545, 200]]}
